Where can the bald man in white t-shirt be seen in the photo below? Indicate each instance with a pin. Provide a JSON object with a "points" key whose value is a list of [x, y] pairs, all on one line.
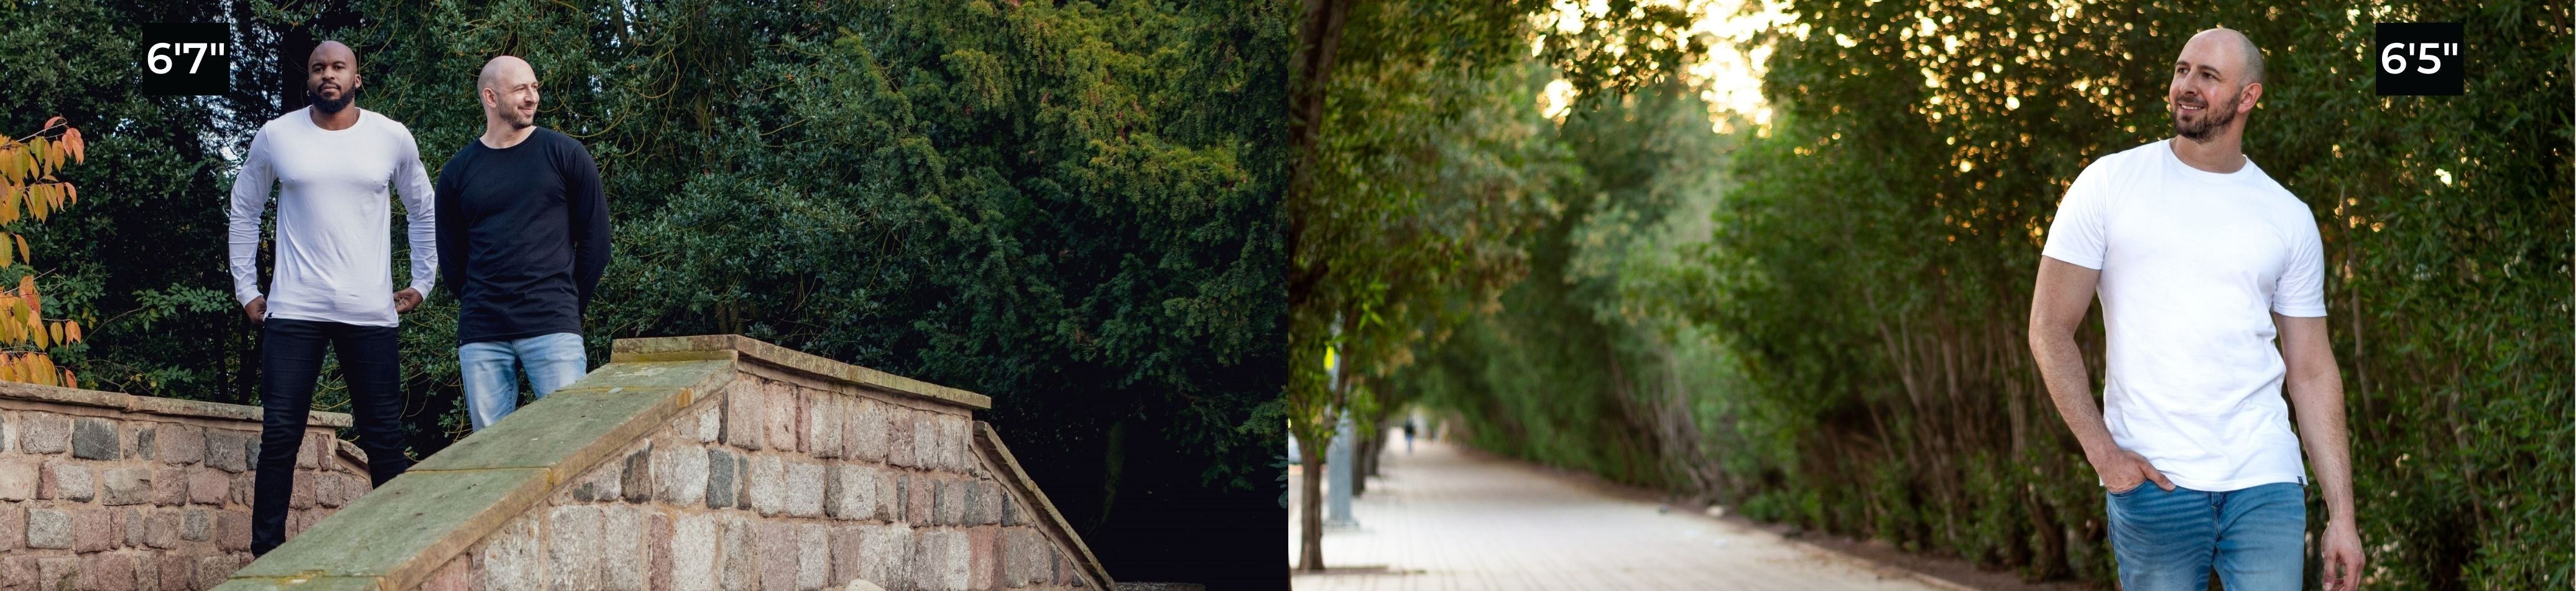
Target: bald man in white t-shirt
{"points": [[2202, 262]]}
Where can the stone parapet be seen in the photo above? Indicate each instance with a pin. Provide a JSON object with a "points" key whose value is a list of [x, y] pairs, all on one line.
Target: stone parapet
{"points": [[715, 462], [101, 490]]}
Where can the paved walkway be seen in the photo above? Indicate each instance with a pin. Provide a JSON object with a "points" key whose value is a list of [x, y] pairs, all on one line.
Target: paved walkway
{"points": [[1441, 519]]}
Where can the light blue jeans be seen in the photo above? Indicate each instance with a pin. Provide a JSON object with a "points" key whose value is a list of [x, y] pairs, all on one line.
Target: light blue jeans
{"points": [[491, 372], [2170, 540]]}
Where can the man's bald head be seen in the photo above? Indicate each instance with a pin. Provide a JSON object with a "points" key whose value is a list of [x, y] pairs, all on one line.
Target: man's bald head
{"points": [[329, 51], [508, 87], [331, 77], [2249, 59], [503, 68]]}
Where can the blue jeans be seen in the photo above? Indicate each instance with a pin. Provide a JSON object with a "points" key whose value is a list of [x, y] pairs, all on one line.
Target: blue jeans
{"points": [[491, 372], [2170, 540]]}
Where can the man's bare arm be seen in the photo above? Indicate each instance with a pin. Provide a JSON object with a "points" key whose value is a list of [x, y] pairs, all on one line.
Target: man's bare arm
{"points": [[2315, 387], [2057, 306]]}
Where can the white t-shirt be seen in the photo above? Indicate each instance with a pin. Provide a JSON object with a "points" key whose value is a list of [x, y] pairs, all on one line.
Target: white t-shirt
{"points": [[2194, 263], [333, 218]]}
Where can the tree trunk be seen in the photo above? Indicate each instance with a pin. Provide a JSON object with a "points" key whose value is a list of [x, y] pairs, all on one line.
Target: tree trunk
{"points": [[1310, 521]]}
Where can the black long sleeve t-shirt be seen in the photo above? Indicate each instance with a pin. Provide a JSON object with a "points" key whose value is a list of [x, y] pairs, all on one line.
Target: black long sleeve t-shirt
{"points": [[522, 236]]}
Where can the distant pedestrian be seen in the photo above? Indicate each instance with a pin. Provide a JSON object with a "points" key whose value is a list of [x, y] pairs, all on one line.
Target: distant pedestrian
{"points": [[1408, 435]]}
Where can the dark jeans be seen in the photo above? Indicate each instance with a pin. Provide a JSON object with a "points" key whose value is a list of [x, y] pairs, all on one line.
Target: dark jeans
{"points": [[290, 362]]}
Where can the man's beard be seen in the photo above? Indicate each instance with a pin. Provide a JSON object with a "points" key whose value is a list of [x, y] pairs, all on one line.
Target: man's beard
{"points": [[517, 120], [331, 107], [2213, 117]]}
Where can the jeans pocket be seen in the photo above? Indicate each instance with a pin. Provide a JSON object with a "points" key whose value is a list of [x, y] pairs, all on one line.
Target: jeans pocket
{"points": [[2141, 485]]}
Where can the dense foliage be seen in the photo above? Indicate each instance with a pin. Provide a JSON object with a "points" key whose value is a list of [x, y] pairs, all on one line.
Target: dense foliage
{"points": [[1074, 208]]}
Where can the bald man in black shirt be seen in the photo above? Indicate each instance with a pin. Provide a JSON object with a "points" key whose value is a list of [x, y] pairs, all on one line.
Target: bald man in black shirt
{"points": [[523, 237]]}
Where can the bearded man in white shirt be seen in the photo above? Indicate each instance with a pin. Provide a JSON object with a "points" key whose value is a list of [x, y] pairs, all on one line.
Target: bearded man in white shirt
{"points": [[332, 164]]}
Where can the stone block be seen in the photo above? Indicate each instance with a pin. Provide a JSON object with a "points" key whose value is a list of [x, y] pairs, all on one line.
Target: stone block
{"points": [[161, 527], [574, 544], [952, 443], [740, 567], [900, 447], [599, 484], [178, 570], [230, 450], [147, 570], [232, 530], [18, 570], [940, 561], [170, 486], [107, 571], [300, 496], [13, 528], [315, 451], [724, 477], [889, 496], [137, 529], [635, 484], [68, 481], [512, 556], [779, 407], [142, 437], [823, 424], [1025, 557], [695, 550], [813, 556], [850, 491], [197, 525], [660, 540], [743, 413], [49, 529], [925, 440], [58, 573], [130, 485], [208, 486], [94, 529], [777, 555], [710, 422], [21, 478], [768, 484], [804, 489], [866, 435], [44, 433], [886, 553], [918, 501], [983, 557], [626, 553], [952, 502], [681, 474], [180, 444]]}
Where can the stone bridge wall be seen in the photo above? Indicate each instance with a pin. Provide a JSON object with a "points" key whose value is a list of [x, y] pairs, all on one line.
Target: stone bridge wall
{"points": [[706, 463], [111, 491]]}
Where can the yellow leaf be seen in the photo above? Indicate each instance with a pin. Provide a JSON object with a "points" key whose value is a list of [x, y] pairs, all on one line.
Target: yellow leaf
{"points": [[9, 164], [26, 256], [55, 330], [74, 330], [80, 146], [36, 202], [69, 381], [71, 191]]}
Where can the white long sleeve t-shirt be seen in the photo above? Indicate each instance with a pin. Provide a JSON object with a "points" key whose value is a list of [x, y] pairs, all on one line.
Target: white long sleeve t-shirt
{"points": [[333, 218]]}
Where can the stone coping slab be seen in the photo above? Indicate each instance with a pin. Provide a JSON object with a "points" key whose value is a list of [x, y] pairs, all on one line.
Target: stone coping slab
{"points": [[154, 405], [742, 347], [1006, 467], [389, 539]]}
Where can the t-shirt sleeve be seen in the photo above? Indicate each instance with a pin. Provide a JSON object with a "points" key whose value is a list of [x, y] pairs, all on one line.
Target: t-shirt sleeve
{"points": [[2301, 290], [2075, 236]]}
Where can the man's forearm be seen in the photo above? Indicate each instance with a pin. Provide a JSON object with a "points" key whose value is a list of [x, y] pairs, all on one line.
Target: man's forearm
{"points": [[2061, 367], [2319, 396]]}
